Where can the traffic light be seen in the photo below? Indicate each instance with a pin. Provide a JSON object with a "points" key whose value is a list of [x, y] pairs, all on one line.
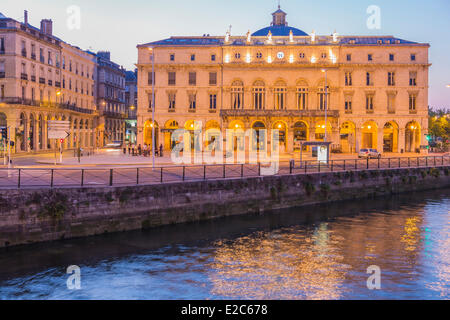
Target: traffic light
{"points": [[4, 133]]}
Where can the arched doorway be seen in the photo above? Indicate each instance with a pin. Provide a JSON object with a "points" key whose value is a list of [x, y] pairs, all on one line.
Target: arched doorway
{"points": [[148, 131], [236, 130], [212, 133], [282, 135], [390, 137], [300, 134], [169, 128], [22, 130], [412, 137], [31, 133], [191, 126], [369, 135], [348, 137], [320, 131], [259, 138]]}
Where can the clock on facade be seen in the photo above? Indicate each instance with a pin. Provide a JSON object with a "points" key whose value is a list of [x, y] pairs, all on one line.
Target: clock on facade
{"points": [[280, 55]]}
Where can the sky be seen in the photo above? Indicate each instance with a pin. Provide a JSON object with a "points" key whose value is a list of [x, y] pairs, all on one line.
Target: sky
{"points": [[118, 26]]}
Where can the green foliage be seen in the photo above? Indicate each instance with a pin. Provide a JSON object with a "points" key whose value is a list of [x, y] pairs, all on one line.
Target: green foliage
{"points": [[309, 188]]}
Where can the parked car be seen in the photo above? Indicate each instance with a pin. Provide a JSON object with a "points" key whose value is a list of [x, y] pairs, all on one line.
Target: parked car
{"points": [[369, 153]]}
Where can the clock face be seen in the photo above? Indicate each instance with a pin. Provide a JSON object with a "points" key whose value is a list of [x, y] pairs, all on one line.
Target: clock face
{"points": [[280, 55]]}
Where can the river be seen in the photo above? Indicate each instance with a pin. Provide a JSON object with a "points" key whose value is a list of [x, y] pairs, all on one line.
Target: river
{"points": [[316, 252]]}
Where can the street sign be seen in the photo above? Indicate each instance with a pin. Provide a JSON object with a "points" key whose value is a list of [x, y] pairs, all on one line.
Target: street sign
{"points": [[58, 129]]}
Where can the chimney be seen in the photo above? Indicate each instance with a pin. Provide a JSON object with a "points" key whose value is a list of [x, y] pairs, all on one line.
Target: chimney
{"points": [[104, 54], [47, 26], [25, 15]]}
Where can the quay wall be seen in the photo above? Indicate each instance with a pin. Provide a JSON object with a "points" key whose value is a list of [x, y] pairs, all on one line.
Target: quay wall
{"points": [[36, 215]]}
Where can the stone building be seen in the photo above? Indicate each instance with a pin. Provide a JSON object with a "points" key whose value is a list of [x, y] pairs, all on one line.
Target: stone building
{"points": [[111, 98], [44, 78], [374, 89], [131, 106]]}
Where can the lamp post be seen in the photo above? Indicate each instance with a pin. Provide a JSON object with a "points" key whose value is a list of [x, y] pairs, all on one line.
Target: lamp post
{"points": [[153, 106]]}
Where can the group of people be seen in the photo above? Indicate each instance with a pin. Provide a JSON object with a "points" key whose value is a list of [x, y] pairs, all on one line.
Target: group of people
{"points": [[145, 151]]}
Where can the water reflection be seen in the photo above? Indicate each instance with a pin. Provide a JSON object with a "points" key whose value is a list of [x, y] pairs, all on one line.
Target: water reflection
{"points": [[320, 252]]}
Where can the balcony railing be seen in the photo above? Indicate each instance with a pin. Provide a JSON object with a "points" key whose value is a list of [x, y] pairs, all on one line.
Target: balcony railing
{"points": [[33, 56], [278, 113], [114, 114], [30, 102], [24, 53]]}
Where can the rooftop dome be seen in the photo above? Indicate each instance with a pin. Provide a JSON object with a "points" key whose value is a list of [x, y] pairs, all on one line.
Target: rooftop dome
{"points": [[279, 27]]}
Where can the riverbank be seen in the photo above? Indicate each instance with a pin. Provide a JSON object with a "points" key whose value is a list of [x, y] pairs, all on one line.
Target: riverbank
{"points": [[30, 216]]}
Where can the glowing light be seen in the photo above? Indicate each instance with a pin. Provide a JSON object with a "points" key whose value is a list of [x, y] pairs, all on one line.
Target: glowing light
{"points": [[313, 59], [279, 126], [236, 126], [313, 36], [269, 59], [248, 58], [227, 58], [58, 93], [323, 126], [369, 127], [291, 58]]}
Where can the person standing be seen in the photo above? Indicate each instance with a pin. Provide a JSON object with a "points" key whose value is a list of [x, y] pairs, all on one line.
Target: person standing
{"points": [[160, 150]]}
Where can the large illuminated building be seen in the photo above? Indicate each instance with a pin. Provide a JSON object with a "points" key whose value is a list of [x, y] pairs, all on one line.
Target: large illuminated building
{"points": [[374, 89]]}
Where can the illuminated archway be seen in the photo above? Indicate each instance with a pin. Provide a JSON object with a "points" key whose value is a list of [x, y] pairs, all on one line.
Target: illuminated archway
{"points": [[320, 131], [282, 134], [148, 130], [369, 135], [348, 137], [169, 128], [412, 137], [259, 138], [390, 137]]}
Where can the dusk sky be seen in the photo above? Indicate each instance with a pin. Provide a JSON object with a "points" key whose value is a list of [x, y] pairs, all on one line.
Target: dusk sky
{"points": [[118, 26]]}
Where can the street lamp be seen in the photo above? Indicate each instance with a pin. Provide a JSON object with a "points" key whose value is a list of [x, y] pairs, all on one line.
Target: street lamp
{"points": [[153, 105], [325, 103]]}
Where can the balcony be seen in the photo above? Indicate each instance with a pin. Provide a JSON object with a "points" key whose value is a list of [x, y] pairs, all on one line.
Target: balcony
{"points": [[50, 82], [57, 84], [29, 102], [42, 80], [277, 113], [23, 76], [33, 78], [114, 114], [33, 56], [42, 59], [24, 53]]}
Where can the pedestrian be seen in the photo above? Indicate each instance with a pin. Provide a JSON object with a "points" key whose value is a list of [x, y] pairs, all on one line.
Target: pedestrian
{"points": [[139, 150], [160, 150]]}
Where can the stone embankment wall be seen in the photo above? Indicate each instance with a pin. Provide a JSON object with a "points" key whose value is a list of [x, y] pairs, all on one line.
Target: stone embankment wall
{"points": [[30, 216]]}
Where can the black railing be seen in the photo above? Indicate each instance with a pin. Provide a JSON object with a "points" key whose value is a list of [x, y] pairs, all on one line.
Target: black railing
{"points": [[52, 178], [29, 102]]}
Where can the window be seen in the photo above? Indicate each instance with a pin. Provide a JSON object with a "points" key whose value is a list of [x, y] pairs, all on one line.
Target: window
{"points": [[348, 104], [349, 57], [391, 78], [237, 55], [41, 55], [2, 45], [302, 98], [172, 78], [413, 78], [302, 55], [150, 78], [213, 101], [413, 57], [24, 49], [192, 57], [369, 78], [369, 103], [370, 57], [322, 99], [280, 98], [172, 97], [2, 91], [192, 101], [348, 78], [259, 96], [2, 69], [172, 57], [391, 57], [412, 102], [324, 55], [192, 78], [391, 103], [213, 78], [213, 57], [237, 95], [259, 55]]}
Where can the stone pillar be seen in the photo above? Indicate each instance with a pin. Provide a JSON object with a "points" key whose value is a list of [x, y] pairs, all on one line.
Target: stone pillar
{"points": [[290, 138], [269, 99], [312, 132], [335, 137], [357, 139], [401, 140], [380, 140]]}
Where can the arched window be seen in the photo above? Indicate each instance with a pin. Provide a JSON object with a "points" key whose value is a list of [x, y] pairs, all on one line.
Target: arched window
{"points": [[237, 95], [280, 91], [302, 95]]}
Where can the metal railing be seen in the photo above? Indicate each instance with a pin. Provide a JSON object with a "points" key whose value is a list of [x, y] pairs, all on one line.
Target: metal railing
{"points": [[103, 177]]}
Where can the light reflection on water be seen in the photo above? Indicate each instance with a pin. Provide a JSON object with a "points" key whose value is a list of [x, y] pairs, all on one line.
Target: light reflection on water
{"points": [[309, 253]]}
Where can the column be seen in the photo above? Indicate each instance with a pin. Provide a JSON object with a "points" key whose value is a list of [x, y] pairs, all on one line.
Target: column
{"points": [[357, 139], [290, 138], [380, 140], [401, 140]]}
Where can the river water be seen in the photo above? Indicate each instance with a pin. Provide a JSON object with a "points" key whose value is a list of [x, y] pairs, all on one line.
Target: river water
{"points": [[318, 252]]}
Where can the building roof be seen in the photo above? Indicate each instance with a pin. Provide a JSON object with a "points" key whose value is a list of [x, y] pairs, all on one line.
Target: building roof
{"points": [[279, 31], [2, 16], [130, 76]]}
